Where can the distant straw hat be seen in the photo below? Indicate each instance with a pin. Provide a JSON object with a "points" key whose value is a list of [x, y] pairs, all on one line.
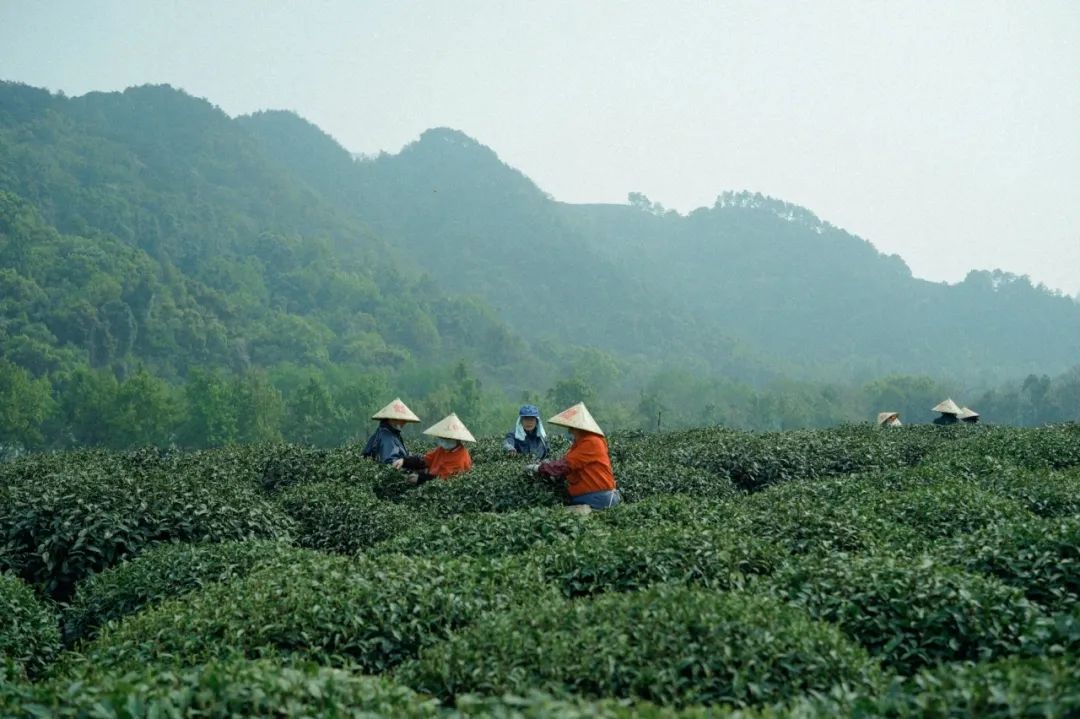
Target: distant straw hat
{"points": [[947, 407], [966, 413], [577, 417], [396, 410], [450, 427], [884, 417]]}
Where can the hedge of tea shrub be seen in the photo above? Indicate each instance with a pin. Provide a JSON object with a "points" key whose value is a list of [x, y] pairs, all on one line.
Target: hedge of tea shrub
{"points": [[755, 461], [498, 487], [1004, 689], [663, 511], [1052, 447], [287, 465], [61, 527], [165, 572], [818, 516], [341, 517], [29, 628], [490, 534], [221, 689], [639, 480], [928, 513], [1041, 557], [625, 560], [372, 612], [670, 645], [909, 612]]}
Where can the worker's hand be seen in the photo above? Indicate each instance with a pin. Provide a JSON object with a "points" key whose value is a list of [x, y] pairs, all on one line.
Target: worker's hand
{"points": [[397, 463], [532, 468], [412, 478]]}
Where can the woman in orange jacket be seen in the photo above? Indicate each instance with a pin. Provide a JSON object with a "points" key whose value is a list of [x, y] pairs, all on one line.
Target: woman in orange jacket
{"points": [[450, 457], [587, 466]]}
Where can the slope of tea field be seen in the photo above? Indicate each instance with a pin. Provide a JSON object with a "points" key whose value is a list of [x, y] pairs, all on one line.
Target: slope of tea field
{"points": [[922, 571]]}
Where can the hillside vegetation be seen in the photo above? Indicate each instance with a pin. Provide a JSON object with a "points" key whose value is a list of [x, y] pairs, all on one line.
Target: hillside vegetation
{"points": [[173, 276]]}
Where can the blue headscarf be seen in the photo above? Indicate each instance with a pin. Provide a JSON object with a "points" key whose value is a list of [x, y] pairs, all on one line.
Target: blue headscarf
{"points": [[529, 410]]}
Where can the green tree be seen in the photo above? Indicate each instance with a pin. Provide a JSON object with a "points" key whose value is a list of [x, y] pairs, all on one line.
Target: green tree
{"points": [[24, 405], [568, 392], [260, 408], [144, 411], [312, 416], [211, 410]]}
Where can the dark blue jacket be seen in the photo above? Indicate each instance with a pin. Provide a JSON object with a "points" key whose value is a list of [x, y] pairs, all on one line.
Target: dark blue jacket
{"points": [[385, 445], [533, 444]]}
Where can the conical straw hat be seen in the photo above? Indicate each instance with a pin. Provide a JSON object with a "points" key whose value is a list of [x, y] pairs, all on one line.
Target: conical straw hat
{"points": [[966, 413], [884, 417], [577, 417], [396, 410], [450, 427], [947, 407]]}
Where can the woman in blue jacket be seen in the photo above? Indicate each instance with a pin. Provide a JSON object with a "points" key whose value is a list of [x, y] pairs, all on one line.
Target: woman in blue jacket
{"points": [[528, 437], [386, 445]]}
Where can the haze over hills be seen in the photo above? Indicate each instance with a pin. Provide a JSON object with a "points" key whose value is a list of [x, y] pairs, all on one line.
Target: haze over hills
{"points": [[767, 276], [238, 279]]}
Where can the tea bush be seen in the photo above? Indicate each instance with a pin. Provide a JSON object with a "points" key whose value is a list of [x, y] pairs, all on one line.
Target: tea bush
{"points": [[289, 465], [500, 487], [1011, 687], [372, 612], [755, 461], [29, 633], [490, 534], [640, 480], [678, 510], [818, 516], [538, 705], [60, 527], [221, 689], [669, 645], [1054, 447], [164, 572], [343, 518], [626, 560], [1040, 557], [935, 511], [909, 613], [1042, 492]]}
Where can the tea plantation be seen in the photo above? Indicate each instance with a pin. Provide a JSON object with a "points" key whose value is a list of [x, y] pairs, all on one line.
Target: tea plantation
{"points": [[908, 572]]}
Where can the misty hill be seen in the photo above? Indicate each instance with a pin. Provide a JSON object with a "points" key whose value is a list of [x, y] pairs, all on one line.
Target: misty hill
{"points": [[450, 206], [147, 228], [793, 285], [756, 277]]}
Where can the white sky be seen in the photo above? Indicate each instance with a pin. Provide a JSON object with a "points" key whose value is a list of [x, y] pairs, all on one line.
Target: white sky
{"points": [[945, 132]]}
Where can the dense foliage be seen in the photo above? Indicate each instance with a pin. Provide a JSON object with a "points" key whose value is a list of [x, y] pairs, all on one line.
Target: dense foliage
{"points": [[173, 276], [165, 572], [59, 524], [918, 571], [29, 637], [668, 644]]}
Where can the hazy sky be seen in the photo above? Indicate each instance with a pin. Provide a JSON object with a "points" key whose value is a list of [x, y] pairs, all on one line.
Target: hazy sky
{"points": [[945, 132]]}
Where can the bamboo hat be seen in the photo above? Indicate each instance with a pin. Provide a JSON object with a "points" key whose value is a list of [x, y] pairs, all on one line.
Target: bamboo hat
{"points": [[577, 417], [966, 413], [450, 427], [396, 410], [947, 407], [884, 417]]}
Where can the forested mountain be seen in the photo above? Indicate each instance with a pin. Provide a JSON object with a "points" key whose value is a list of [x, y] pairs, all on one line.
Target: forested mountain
{"points": [[754, 276], [793, 285], [450, 206], [146, 233], [170, 274]]}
